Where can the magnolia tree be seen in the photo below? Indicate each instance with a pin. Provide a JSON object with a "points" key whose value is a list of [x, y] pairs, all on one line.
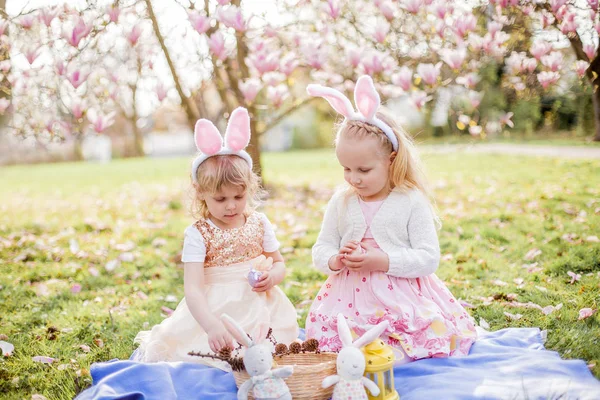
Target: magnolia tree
{"points": [[72, 69], [421, 48]]}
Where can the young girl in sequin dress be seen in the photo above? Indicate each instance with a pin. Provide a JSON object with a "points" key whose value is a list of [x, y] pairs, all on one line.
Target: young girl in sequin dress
{"points": [[218, 251], [378, 242]]}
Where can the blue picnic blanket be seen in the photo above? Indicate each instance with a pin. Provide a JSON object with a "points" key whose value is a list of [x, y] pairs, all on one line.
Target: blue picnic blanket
{"points": [[507, 364]]}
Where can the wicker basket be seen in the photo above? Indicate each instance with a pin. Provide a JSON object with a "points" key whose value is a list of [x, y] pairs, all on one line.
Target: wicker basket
{"points": [[309, 371]]}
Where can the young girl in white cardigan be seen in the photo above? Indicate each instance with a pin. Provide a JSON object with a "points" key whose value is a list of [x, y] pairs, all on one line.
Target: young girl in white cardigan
{"points": [[378, 242]]}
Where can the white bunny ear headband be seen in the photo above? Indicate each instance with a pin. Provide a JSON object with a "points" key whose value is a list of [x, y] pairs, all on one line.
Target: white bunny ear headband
{"points": [[367, 101], [210, 143]]}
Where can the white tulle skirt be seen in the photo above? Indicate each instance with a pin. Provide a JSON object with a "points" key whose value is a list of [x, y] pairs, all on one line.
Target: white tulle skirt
{"points": [[227, 291]]}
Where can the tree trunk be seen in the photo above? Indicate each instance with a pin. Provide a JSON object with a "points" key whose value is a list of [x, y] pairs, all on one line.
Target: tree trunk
{"points": [[78, 147], [596, 104], [5, 88], [593, 74], [253, 148]]}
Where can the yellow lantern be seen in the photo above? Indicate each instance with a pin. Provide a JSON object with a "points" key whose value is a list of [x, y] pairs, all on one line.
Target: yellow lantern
{"points": [[380, 369]]}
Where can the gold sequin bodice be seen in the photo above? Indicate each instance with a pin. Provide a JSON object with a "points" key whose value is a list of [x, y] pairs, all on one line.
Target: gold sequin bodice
{"points": [[231, 246]]}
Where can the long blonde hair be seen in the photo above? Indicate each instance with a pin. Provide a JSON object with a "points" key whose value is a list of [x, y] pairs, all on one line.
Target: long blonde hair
{"points": [[406, 172], [223, 170]]}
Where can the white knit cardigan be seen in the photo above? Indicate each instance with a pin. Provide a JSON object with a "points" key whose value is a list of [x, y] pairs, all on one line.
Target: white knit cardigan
{"points": [[403, 227]]}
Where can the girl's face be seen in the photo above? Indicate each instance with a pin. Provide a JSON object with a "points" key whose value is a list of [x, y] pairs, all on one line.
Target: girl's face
{"points": [[227, 206], [365, 168]]}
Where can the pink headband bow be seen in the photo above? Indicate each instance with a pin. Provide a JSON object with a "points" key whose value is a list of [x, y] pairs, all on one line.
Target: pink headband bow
{"points": [[210, 143], [367, 101]]}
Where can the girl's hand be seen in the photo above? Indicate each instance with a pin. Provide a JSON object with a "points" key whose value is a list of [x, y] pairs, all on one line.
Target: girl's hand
{"points": [[335, 262], [373, 259], [349, 247], [265, 282], [219, 337]]}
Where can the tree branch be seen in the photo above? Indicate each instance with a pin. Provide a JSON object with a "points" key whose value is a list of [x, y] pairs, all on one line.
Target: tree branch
{"points": [[297, 105], [189, 107]]}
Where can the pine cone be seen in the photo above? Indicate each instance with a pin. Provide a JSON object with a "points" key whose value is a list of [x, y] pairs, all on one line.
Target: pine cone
{"points": [[237, 364], [281, 349], [295, 348], [225, 352], [311, 345]]}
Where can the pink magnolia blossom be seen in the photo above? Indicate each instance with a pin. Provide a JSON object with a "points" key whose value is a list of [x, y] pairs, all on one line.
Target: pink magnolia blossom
{"points": [[31, 54], [76, 288], [504, 3], [590, 51], [494, 27], [530, 64], [403, 78], [3, 26], [441, 9], [429, 72], [440, 28], [270, 31], [27, 21], [4, 104], [593, 4], [554, 61], [475, 98], [597, 27], [419, 98], [469, 81], [223, 2], [232, 17], [475, 130], [250, 89], [569, 24], [277, 95], [514, 62], [48, 14], [100, 122], [77, 77], [381, 31], [113, 13], [78, 32], [354, 56], [412, 6], [547, 78], [454, 57], [465, 24], [574, 277], [555, 5], [314, 54], [332, 8], [386, 9], [581, 67], [505, 119], [263, 59], [374, 63], [134, 35], [585, 313], [273, 78], [546, 18], [289, 63], [78, 108], [476, 42], [199, 22], [61, 68], [540, 48], [216, 44], [161, 91]]}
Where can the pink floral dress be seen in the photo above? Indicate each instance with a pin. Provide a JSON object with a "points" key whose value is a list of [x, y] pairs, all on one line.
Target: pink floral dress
{"points": [[425, 318]]}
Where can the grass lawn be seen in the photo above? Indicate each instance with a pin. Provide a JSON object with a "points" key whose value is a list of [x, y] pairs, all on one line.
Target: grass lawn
{"points": [[88, 252]]}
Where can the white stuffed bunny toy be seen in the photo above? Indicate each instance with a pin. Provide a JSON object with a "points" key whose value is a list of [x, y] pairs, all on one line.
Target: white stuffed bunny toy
{"points": [[349, 382], [258, 360]]}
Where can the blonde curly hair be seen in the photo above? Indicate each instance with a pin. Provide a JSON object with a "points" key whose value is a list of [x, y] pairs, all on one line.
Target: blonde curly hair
{"points": [[224, 170]]}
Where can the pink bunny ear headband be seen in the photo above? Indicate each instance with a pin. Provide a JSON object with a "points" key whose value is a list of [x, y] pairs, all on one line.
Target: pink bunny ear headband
{"points": [[367, 101], [210, 143]]}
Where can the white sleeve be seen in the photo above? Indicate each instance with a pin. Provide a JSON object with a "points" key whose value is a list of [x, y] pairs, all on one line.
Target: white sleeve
{"points": [[270, 242], [194, 249], [422, 258], [329, 239]]}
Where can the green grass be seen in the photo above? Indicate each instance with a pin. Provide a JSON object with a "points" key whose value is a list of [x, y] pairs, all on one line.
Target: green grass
{"points": [[495, 209], [545, 139]]}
